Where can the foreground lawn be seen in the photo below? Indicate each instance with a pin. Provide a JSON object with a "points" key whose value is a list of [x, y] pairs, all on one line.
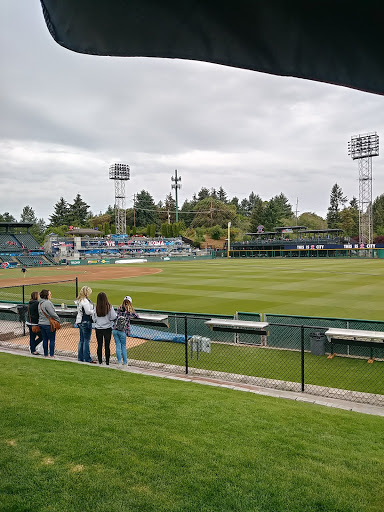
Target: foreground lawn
{"points": [[78, 438]]}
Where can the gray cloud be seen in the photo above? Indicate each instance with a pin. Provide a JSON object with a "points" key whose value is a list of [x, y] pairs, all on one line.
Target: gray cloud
{"points": [[66, 117]]}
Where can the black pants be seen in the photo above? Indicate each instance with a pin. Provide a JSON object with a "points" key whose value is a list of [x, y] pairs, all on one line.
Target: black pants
{"points": [[103, 335]]}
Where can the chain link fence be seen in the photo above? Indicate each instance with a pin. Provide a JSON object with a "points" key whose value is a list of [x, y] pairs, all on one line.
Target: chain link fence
{"points": [[63, 292], [293, 356]]}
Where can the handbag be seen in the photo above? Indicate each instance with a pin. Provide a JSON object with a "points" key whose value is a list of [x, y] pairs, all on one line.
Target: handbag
{"points": [[40, 348], [34, 328], [55, 325]]}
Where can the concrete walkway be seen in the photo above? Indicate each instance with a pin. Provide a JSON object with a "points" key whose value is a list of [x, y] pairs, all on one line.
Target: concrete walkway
{"points": [[259, 390]]}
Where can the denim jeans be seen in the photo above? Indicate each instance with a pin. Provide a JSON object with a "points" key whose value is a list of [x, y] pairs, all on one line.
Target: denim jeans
{"points": [[34, 339], [84, 353], [121, 345], [50, 336]]}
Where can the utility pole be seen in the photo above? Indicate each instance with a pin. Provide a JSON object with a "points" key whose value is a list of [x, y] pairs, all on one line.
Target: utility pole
{"points": [[211, 209], [134, 211], [297, 211], [176, 186]]}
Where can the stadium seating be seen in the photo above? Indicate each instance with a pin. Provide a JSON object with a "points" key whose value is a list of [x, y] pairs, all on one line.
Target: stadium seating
{"points": [[27, 240], [9, 243], [33, 261]]}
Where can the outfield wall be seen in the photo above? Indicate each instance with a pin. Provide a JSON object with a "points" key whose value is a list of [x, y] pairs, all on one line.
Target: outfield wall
{"points": [[302, 253]]}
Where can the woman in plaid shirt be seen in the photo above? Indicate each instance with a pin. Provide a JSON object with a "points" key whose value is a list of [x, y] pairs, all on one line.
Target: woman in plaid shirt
{"points": [[122, 328]]}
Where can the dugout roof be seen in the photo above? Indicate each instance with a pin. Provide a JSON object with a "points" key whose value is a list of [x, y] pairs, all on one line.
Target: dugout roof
{"points": [[336, 41]]}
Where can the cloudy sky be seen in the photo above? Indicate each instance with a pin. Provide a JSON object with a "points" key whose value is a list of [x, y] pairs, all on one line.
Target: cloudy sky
{"points": [[65, 118]]}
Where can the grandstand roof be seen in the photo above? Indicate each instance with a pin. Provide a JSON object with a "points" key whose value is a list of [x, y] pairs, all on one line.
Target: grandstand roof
{"points": [[8, 225], [328, 41], [85, 231], [294, 228], [263, 233]]}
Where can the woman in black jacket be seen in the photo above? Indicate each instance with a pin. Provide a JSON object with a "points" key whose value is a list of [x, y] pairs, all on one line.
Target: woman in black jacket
{"points": [[33, 319]]}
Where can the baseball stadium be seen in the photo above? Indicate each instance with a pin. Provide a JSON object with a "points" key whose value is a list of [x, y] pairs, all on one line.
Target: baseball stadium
{"points": [[253, 378]]}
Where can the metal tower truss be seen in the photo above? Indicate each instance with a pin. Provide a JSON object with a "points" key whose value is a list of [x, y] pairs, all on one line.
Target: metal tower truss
{"points": [[120, 173], [365, 201], [363, 148]]}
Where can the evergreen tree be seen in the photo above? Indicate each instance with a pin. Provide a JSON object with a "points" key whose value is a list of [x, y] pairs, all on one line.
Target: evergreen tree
{"points": [[213, 193], [60, 216], [78, 211], [258, 216], [222, 195], [336, 201], [235, 202], [285, 209], [203, 194], [28, 215], [38, 230], [7, 217], [186, 209], [145, 209], [245, 208], [378, 215], [347, 222]]}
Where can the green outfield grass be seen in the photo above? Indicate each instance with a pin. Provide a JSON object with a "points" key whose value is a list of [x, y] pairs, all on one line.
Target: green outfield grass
{"points": [[312, 287], [82, 438]]}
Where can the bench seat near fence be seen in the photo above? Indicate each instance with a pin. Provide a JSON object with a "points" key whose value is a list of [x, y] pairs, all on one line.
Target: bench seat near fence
{"points": [[371, 339], [240, 326]]}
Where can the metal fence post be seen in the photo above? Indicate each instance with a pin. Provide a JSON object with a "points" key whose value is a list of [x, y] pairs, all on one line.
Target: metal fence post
{"points": [[186, 343], [302, 358], [23, 295]]}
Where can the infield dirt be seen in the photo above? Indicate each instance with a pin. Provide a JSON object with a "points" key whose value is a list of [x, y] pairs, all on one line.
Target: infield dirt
{"points": [[95, 273]]}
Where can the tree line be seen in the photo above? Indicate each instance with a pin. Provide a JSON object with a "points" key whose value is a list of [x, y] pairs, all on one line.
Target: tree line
{"points": [[206, 213]]}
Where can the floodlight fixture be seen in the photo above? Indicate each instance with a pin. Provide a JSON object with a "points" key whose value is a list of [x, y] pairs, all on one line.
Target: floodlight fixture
{"points": [[363, 146]]}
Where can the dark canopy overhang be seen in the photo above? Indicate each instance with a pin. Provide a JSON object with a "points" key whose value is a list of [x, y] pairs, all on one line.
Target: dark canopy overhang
{"points": [[335, 41]]}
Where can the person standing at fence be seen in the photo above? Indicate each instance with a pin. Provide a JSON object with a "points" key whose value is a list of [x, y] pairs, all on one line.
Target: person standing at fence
{"points": [[85, 310], [33, 320], [47, 311], [122, 328], [103, 318]]}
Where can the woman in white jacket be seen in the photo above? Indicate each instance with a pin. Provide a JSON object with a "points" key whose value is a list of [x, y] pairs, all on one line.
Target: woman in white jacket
{"points": [[85, 310], [103, 318]]}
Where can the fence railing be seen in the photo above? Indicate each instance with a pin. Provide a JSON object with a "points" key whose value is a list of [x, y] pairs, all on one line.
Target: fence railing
{"points": [[287, 358], [63, 292]]}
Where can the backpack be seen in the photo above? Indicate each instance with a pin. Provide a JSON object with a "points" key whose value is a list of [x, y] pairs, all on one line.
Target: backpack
{"points": [[121, 323]]}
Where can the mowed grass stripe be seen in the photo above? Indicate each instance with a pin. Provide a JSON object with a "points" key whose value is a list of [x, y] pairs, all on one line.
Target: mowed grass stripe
{"points": [[312, 287]]}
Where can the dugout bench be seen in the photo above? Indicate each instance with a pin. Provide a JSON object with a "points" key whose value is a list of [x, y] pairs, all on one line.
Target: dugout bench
{"points": [[371, 339], [238, 326]]}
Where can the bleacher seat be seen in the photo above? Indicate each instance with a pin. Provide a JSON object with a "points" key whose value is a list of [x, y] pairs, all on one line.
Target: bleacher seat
{"points": [[27, 240]]}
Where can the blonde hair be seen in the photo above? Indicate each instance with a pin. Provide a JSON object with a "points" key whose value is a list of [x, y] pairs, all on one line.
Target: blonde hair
{"points": [[84, 293], [127, 305]]}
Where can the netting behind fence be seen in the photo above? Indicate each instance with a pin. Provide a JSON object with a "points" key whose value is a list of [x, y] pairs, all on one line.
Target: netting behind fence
{"points": [[284, 360], [62, 291]]}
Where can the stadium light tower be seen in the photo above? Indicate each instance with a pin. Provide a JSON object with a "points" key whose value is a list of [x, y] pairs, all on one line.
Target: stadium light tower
{"points": [[120, 173], [363, 148], [176, 186]]}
